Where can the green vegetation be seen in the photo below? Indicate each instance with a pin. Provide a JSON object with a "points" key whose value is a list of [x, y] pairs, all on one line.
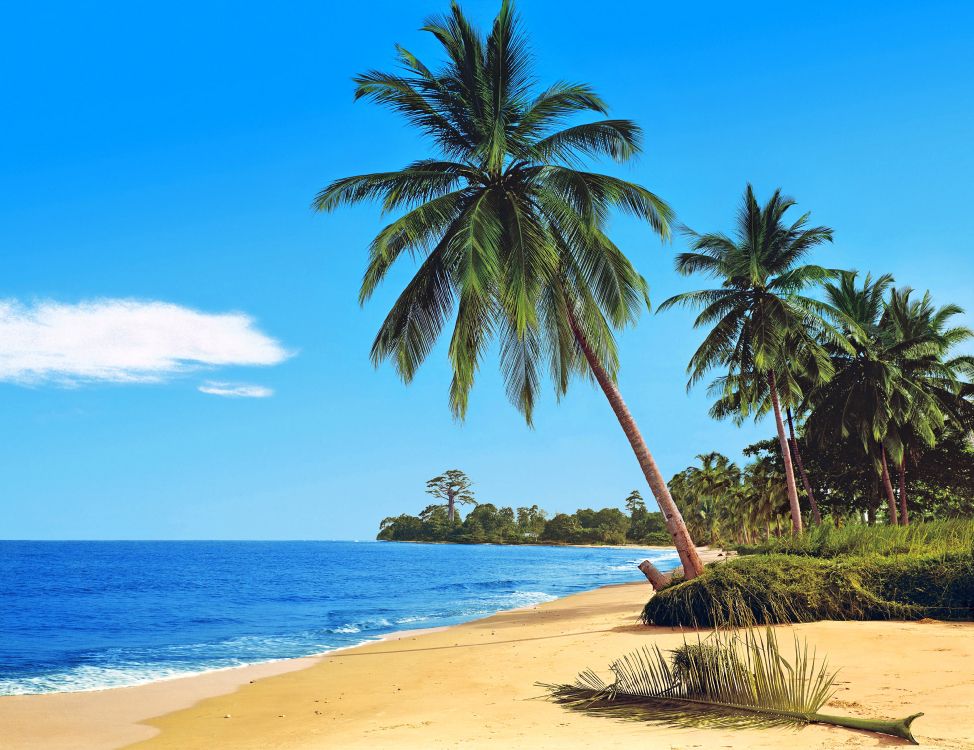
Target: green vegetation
{"points": [[748, 508], [487, 523], [896, 386], [870, 374], [789, 588], [728, 680], [856, 572]]}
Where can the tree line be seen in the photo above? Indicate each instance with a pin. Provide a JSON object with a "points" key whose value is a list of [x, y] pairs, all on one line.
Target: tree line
{"points": [[724, 503], [487, 523]]}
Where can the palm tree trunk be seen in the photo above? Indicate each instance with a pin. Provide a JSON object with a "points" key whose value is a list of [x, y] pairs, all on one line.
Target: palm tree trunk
{"points": [[888, 486], [873, 502], [904, 515], [796, 511], [816, 516], [692, 567]]}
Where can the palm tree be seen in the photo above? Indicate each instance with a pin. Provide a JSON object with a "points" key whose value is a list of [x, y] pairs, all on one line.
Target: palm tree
{"points": [[764, 490], [920, 337], [896, 385], [740, 395], [856, 401], [509, 228], [759, 308]]}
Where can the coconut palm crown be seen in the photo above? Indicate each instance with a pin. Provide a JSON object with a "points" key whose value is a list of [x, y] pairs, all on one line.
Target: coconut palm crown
{"points": [[508, 226]]}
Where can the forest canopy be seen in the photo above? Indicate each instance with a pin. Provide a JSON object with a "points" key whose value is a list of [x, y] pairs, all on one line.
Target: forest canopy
{"points": [[487, 523]]}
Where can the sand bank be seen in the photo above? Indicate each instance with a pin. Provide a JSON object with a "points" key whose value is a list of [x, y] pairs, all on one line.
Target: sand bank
{"points": [[473, 686]]}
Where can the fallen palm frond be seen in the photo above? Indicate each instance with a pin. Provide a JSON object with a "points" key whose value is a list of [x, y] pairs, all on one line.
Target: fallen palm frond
{"points": [[725, 681]]}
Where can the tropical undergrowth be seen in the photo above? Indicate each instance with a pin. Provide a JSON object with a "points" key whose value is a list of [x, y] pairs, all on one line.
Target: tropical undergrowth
{"points": [[777, 588]]}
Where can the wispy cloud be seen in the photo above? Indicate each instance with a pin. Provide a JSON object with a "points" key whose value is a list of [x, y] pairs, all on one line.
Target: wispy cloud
{"points": [[236, 390], [123, 341]]}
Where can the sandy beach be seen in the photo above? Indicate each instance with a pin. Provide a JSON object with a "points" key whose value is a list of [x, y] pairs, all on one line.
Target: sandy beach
{"points": [[472, 685]]}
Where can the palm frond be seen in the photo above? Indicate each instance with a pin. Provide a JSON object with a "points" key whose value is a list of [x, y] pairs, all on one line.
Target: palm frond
{"points": [[725, 681], [619, 139], [553, 105], [424, 225], [410, 330]]}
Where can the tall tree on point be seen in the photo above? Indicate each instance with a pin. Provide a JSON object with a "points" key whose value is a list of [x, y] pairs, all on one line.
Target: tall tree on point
{"points": [[454, 487], [508, 228]]}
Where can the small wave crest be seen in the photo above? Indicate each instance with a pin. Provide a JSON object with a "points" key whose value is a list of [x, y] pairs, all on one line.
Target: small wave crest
{"points": [[87, 678], [358, 626]]}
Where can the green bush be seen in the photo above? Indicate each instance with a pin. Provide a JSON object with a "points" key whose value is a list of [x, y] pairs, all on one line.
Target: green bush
{"points": [[933, 537], [786, 589]]}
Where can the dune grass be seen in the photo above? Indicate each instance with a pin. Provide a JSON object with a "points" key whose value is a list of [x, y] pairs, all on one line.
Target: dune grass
{"points": [[931, 538], [776, 588]]}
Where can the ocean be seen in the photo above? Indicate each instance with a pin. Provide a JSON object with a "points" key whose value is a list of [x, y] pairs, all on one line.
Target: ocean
{"points": [[93, 615]]}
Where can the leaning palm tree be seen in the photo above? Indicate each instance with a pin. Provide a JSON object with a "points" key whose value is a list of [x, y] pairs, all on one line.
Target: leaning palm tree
{"points": [[759, 307], [508, 226]]}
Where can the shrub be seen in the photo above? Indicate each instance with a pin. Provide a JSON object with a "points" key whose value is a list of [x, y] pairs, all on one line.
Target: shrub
{"points": [[787, 589]]}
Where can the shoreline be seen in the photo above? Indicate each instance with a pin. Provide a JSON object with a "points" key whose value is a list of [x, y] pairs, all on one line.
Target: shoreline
{"points": [[475, 682], [114, 717], [706, 552], [267, 663]]}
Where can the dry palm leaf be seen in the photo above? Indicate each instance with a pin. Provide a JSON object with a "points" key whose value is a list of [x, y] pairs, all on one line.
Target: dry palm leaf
{"points": [[726, 681]]}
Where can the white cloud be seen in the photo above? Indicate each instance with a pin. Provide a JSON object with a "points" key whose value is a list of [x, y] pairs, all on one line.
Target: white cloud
{"points": [[123, 341], [235, 390]]}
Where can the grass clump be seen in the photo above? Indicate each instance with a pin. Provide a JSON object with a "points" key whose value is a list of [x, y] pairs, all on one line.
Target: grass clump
{"points": [[930, 538], [788, 589]]}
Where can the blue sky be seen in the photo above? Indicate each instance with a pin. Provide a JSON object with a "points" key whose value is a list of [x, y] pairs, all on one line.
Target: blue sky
{"points": [[168, 153]]}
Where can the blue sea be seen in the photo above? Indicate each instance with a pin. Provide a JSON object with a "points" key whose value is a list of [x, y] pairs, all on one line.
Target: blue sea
{"points": [[92, 615]]}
